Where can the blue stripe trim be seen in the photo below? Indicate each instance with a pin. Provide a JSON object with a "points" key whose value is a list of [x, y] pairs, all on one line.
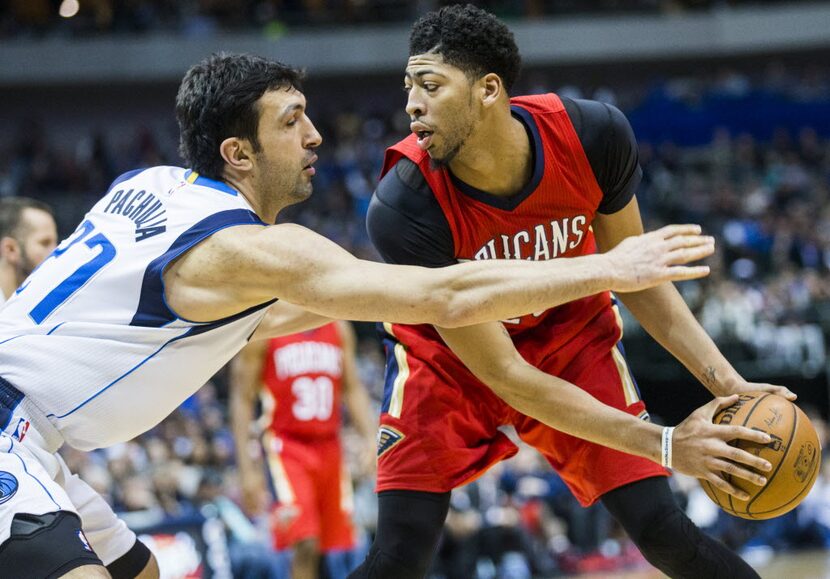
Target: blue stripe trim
{"points": [[392, 370], [190, 332], [153, 310], [23, 335], [124, 375], [212, 183], [126, 176], [37, 480], [12, 338], [49, 333]]}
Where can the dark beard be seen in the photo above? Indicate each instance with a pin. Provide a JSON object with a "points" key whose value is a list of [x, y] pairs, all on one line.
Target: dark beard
{"points": [[444, 162], [26, 266]]}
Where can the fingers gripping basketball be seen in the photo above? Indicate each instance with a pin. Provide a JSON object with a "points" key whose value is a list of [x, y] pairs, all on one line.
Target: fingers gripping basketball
{"points": [[794, 452]]}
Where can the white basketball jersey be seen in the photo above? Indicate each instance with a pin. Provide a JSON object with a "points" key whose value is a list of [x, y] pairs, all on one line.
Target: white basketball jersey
{"points": [[88, 337]]}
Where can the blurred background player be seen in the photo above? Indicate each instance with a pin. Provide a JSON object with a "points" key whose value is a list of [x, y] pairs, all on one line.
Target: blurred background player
{"points": [[303, 380], [28, 234]]}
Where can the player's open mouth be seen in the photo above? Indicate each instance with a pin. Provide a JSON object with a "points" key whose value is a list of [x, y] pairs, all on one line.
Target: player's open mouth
{"points": [[424, 139], [424, 134]]}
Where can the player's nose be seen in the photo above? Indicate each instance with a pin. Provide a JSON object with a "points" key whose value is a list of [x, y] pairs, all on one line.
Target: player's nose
{"points": [[414, 106], [314, 139]]}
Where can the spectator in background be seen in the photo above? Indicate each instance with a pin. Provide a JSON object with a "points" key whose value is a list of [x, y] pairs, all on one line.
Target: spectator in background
{"points": [[27, 236], [300, 379]]}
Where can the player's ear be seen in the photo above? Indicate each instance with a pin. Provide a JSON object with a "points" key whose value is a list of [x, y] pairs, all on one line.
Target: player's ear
{"points": [[237, 154], [9, 249], [491, 89]]}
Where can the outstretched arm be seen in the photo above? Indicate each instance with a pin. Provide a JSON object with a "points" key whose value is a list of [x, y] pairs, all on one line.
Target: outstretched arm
{"points": [[700, 448], [240, 267], [665, 316]]}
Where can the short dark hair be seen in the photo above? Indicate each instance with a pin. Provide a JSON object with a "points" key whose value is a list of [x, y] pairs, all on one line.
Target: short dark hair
{"points": [[217, 99], [11, 214], [468, 38]]}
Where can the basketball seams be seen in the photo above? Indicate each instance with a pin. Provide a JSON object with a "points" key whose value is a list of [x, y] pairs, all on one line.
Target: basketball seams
{"points": [[728, 477], [714, 493], [780, 463], [805, 488], [801, 492]]}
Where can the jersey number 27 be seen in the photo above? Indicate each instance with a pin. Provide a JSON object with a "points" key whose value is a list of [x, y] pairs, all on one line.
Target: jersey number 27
{"points": [[64, 290]]}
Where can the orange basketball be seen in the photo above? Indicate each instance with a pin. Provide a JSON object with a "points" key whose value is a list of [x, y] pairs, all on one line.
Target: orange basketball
{"points": [[794, 453]]}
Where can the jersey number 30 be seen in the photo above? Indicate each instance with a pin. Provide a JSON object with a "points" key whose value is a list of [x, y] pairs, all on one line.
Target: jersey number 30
{"points": [[314, 398]]}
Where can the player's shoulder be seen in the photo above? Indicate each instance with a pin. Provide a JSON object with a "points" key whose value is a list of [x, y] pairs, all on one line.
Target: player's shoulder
{"points": [[404, 186], [590, 116], [150, 174]]}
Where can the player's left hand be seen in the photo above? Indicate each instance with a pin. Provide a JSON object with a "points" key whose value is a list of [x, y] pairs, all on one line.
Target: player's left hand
{"points": [[742, 386]]}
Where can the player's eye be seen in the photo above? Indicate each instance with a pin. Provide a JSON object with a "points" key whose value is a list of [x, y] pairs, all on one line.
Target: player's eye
{"points": [[407, 88], [430, 87]]}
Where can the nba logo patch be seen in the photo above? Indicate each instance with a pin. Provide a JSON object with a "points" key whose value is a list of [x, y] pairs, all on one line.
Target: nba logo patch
{"points": [[21, 429], [83, 540], [387, 438]]}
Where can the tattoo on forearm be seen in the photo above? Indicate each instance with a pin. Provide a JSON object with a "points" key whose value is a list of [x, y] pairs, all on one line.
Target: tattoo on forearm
{"points": [[709, 378]]}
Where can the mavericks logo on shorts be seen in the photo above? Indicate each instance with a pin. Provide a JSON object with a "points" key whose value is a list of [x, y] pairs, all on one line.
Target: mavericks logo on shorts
{"points": [[387, 438], [8, 486]]}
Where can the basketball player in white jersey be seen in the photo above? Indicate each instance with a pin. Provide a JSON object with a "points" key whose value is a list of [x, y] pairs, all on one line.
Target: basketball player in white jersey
{"points": [[174, 270], [28, 234]]}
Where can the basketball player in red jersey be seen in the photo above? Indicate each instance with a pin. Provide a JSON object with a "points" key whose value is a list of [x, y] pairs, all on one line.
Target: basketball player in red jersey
{"points": [[485, 176], [302, 379]]}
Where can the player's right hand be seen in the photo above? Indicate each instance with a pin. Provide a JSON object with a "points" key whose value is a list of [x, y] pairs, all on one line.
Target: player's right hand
{"points": [[701, 449], [644, 261]]}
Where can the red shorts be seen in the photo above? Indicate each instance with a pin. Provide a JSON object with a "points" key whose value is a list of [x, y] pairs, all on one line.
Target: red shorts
{"points": [[314, 493], [446, 432]]}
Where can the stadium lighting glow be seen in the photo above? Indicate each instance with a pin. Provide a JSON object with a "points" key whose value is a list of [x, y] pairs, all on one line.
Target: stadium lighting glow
{"points": [[69, 8]]}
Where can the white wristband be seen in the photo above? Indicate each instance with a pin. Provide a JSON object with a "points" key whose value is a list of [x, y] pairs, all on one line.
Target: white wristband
{"points": [[666, 445]]}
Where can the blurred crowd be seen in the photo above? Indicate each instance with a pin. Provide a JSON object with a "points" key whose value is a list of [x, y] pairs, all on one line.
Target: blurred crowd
{"points": [[767, 200], [67, 18]]}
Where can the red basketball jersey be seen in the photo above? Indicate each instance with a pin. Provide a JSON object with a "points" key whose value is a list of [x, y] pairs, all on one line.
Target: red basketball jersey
{"points": [[552, 220], [303, 375]]}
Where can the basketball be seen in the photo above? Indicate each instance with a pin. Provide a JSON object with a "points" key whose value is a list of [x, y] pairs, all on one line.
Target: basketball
{"points": [[794, 453]]}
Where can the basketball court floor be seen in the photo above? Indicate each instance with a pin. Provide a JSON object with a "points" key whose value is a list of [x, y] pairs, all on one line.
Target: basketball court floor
{"points": [[803, 565]]}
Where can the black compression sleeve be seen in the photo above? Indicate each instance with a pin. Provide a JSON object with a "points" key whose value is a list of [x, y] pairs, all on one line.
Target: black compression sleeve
{"points": [[611, 148], [409, 526], [667, 537], [405, 221]]}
